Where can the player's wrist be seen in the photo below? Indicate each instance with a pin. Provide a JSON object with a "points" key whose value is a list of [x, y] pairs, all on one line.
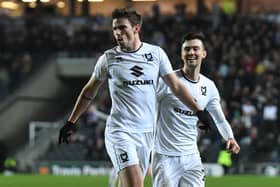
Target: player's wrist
{"points": [[69, 122], [197, 109], [199, 112], [71, 126], [231, 139]]}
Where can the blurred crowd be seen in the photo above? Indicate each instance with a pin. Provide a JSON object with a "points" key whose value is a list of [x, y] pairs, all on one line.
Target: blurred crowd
{"points": [[14, 70], [243, 59]]}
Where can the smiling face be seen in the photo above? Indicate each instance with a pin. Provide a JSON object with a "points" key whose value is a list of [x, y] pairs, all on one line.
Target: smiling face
{"points": [[192, 53], [125, 34]]}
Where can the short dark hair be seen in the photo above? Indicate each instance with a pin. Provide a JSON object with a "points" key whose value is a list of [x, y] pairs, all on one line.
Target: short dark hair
{"points": [[133, 17], [194, 35]]}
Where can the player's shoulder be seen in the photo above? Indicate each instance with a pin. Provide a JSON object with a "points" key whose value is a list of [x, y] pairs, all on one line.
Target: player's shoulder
{"points": [[111, 53], [206, 80], [179, 73], [151, 47]]}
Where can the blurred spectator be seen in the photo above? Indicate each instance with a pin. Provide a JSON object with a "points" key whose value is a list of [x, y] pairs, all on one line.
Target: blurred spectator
{"points": [[248, 113], [240, 132], [229, 7], [156, 11], [202, 10], [270, 116], [10, 165], [180, 15], [93, 129], [216, 15], [158, 38], [91, 119], [224, 159]]}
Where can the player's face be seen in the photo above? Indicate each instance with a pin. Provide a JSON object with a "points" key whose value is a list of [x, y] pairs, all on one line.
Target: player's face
{"points": [[193, 52], [125, 33]]}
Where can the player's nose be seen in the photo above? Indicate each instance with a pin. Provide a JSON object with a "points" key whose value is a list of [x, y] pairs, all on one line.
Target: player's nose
{"points": [[117, 32], [190, 51]]}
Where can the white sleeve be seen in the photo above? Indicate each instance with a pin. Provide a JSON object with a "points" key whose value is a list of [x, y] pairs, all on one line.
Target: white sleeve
{"points": [[215, 109], [161, 89], [101, 68], [165, 65]]}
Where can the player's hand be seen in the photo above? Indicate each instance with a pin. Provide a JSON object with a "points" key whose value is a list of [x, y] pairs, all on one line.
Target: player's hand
{"points": [[66, 131], [232, 146], [206, 119]]}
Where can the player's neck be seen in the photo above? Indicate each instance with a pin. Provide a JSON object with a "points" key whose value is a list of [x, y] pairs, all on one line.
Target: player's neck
{"points": [[137, 44], [191, 74], [134, 46]]}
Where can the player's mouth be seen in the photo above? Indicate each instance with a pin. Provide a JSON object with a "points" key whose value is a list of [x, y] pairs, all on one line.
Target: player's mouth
{"points": [[191, 58], [119, 39]]}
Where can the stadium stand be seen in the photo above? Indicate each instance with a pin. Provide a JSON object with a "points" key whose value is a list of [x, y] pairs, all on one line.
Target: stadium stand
{"points": [[243, 59]]}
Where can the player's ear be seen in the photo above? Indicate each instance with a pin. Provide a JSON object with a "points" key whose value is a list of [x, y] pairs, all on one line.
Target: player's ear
{"points": [[204, 53], [182, 53], [137, 28]]}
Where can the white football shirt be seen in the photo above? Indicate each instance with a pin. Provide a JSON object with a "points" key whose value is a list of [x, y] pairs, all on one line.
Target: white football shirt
{"points": [[176, 128], [133, 79]]}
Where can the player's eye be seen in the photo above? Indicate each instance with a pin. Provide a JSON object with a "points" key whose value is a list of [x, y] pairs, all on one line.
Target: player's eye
{"points": [[187, 49], [121, 27]]}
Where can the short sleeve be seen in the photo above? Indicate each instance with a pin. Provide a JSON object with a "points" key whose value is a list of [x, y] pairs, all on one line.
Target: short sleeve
{"points": [[165, 65], [161, 89], [101, 68]]}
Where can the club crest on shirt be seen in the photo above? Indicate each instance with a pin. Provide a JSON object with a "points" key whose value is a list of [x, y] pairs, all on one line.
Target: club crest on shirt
{"points": [[124, 157], [203, 90], [149, 57]]}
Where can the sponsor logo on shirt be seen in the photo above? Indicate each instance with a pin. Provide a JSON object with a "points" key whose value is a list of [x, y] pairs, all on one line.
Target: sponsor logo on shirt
{"points": [[137, 82], [185, 112], [137, 72]]}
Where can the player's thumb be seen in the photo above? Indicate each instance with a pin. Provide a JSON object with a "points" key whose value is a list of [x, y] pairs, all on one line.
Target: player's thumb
{"points": [[228, 145]]}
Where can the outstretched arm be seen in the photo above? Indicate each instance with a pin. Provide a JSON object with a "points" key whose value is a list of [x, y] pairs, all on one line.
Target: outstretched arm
{"points": [[223, 126], [180, 90]]}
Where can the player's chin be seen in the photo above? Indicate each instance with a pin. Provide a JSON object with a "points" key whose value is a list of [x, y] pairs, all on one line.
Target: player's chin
{"points": [[192, 63], [123, 45], [122, 42]]}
